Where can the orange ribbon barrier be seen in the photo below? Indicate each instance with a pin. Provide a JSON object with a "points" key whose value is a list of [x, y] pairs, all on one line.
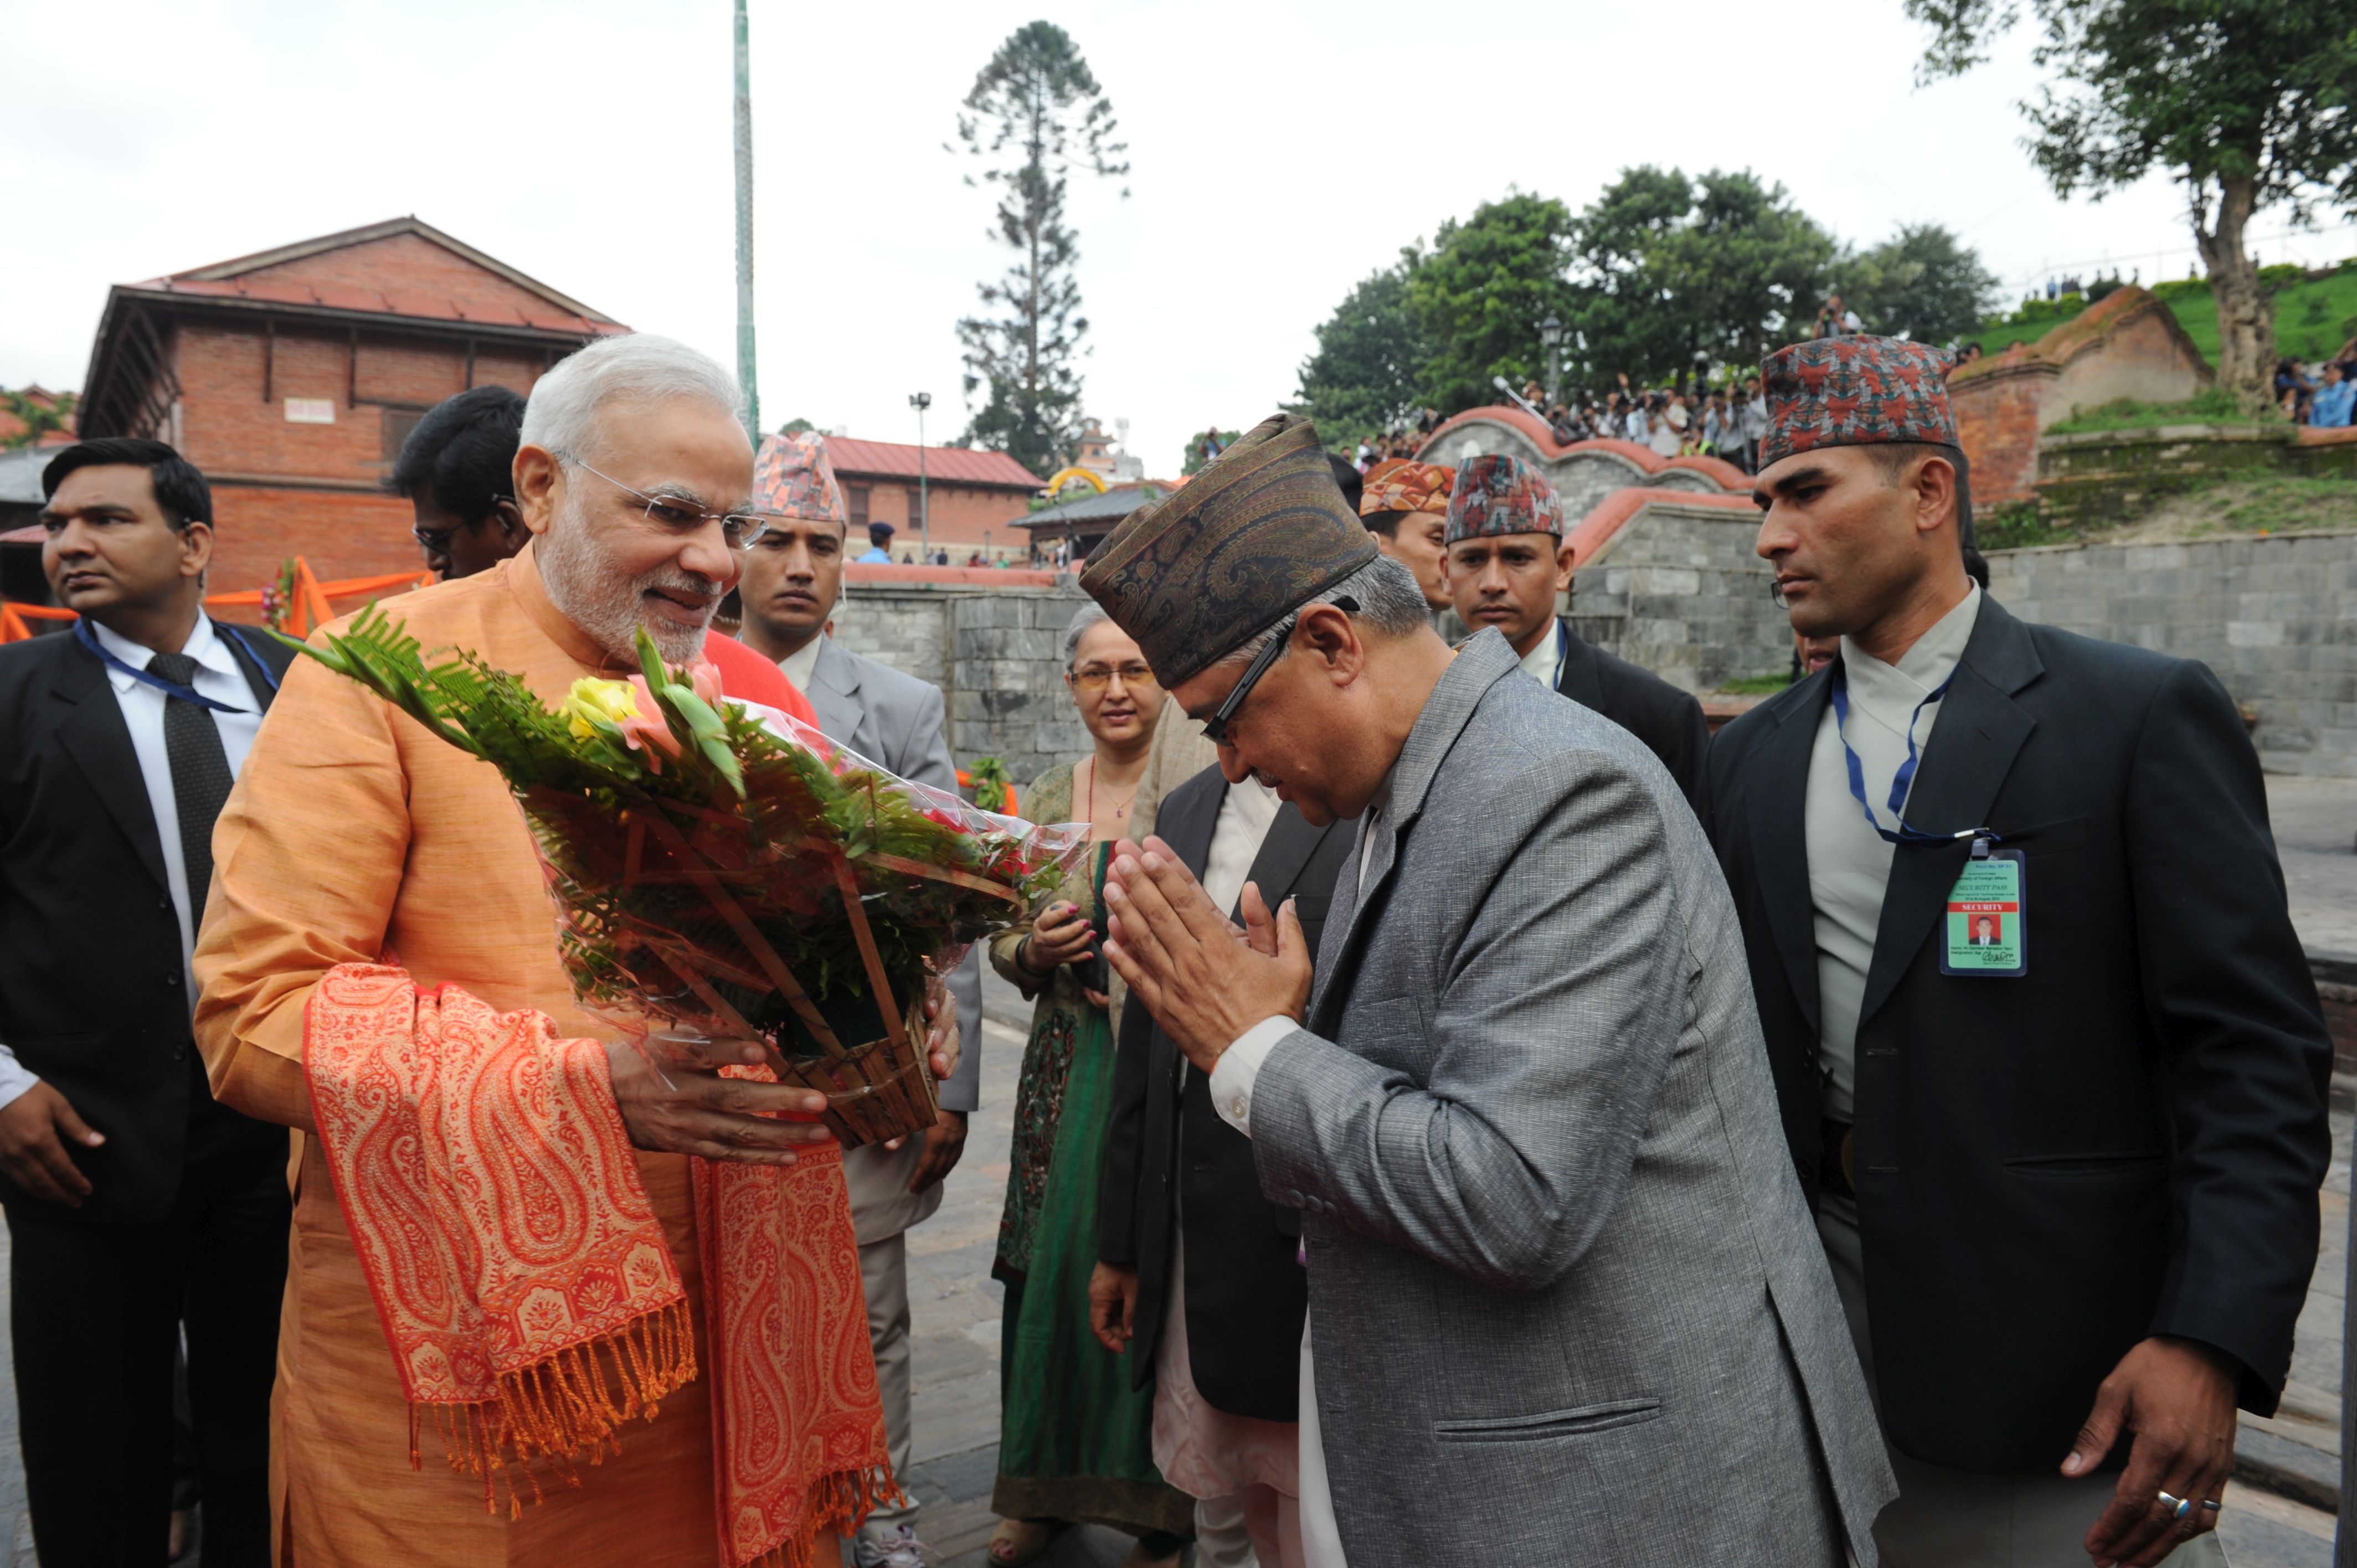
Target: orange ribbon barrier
{"points": [[13, 617], [310, 607]]}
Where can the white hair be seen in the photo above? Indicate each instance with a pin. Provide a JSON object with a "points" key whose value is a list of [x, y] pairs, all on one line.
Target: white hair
{"points": [[1089, 614], [1389, 600], [638, 367]]}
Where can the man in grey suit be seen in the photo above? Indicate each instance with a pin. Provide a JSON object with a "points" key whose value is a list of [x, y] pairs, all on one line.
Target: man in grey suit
{"points": [[792, 582], [1565, 1303]]}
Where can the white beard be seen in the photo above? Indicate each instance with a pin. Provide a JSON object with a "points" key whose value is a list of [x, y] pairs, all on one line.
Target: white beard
{"points": [[584, 583]]}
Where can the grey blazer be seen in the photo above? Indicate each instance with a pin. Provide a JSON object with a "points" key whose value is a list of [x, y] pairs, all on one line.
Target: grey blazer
{"points": [[1566, 1298], [896, 719]]}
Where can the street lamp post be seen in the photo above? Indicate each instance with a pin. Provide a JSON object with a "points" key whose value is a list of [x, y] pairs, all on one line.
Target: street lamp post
{"points": [[921, 402], [744, 359], [1551, 334]]}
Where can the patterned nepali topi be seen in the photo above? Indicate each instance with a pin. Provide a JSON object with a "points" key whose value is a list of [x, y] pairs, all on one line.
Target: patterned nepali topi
{"points": [[1499, 493], [793, 478], [1855, 391], [1261, 531], [1400, 484]]}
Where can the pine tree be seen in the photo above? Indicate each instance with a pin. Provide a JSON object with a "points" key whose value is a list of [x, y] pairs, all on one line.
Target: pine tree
{"points": [[1035, 114]]}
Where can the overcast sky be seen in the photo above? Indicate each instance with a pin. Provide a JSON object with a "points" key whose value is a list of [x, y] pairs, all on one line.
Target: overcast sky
{"points": [[1282, 149]]}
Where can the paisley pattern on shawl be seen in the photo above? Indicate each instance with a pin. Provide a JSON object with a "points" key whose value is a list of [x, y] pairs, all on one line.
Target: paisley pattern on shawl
{"points": [[524, 1283], [797, 1426]]}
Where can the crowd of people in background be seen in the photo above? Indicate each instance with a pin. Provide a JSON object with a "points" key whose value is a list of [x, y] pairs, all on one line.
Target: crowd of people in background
{"points": [[2324, 393], [1681, 419], [1723, 422]]}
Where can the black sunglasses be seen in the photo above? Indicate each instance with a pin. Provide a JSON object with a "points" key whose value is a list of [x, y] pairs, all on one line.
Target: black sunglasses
{"points": [[1215, 729]]}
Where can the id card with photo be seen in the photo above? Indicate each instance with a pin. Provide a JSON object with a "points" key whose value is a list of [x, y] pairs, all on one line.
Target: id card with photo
{"points": [[1983, 931]]}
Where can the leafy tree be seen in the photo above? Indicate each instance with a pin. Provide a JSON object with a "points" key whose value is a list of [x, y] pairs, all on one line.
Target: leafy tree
{"points": [[1480, 295], [1362, 377], [2248, 102], [1667, 268], [37, 416], [1923, 282], [1035, 114]]}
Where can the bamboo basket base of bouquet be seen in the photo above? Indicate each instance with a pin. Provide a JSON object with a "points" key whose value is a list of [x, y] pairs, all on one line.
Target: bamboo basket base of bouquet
{"points": [[875, 1090]]}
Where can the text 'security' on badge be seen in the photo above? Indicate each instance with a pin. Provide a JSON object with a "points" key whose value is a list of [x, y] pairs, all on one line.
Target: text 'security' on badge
{"points": [[1983, 931]]}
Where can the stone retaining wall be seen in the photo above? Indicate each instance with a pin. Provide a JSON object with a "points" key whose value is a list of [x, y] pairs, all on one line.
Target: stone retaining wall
{"points": [[2275, 617], [994, 654], [2113, 475], [1678, 589], [1675, 588]]}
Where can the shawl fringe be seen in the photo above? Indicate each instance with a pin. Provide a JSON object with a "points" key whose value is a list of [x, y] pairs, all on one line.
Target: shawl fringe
{"points": [[566, 1407], [839, 1502]]}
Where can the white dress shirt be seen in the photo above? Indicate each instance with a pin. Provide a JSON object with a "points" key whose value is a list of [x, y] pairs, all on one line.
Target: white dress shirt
{"points": [[1233, 1077], [1544, 662], [1850, 862], [1234, 1074], [803, 663], [1245, 816], [219, 677]]}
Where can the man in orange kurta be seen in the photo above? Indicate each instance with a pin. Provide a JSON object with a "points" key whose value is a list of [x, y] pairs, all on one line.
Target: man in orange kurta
{"points": [[355, 834]]}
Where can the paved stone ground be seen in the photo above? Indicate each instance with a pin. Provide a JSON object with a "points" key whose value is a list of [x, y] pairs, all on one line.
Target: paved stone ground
{"points": [[954, 1305], [2316, 834], [16, 1527]]}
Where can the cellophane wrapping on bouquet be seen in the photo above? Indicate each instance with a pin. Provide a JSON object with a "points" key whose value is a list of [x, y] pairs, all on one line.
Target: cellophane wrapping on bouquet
{"points": [[721, 869]]}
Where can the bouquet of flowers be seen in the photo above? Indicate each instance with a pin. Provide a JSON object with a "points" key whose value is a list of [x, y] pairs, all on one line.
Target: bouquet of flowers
{"points": [[721, 868]]}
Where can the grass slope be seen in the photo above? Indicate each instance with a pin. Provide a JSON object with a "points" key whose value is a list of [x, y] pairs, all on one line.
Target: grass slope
{"points": [[2312, 319]]}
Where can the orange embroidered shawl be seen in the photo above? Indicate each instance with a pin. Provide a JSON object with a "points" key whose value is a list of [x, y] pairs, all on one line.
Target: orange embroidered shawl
{"points": [[524, 1282]]}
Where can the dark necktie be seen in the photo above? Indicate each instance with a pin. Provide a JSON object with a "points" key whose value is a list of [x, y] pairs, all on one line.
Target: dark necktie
{"points": [[200, 777]]}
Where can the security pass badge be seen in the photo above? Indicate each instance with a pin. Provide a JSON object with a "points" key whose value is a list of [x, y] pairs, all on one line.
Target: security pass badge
{"points": [[1983, 930]]}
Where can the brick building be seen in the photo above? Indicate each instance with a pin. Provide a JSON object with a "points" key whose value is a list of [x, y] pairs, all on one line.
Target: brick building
{"points": [[2126, 345], [292, 377], [973, 496]]}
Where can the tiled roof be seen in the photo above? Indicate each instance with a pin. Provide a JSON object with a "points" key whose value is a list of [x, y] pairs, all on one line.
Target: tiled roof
{"points": [[405, 268], [1117, 502], [943, 465]]}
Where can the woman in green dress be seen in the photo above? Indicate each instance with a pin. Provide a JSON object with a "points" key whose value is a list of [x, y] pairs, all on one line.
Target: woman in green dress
{"points": [[1076, 1440]]}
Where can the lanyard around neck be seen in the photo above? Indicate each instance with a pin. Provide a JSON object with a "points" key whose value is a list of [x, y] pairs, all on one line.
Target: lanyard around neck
{"points": [[1900, 780], [89, 639]]}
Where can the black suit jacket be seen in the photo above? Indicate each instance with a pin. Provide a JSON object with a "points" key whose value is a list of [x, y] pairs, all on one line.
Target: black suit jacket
{"points": [[2126, 1141], [1168, 1154], [90, 991], [1668, 720]]}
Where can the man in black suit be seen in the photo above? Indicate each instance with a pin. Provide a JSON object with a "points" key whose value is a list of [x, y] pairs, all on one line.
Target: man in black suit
{"points": [[1507, 562], [137, 1205], [2068, 1187], [1181, 1194]]}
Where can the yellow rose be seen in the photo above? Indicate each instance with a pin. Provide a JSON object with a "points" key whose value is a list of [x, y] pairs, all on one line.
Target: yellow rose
{"points": [[595, 706]]}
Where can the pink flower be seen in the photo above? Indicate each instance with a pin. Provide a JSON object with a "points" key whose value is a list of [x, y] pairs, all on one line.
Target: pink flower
{"points": [[647, 724], [704, 676]]}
